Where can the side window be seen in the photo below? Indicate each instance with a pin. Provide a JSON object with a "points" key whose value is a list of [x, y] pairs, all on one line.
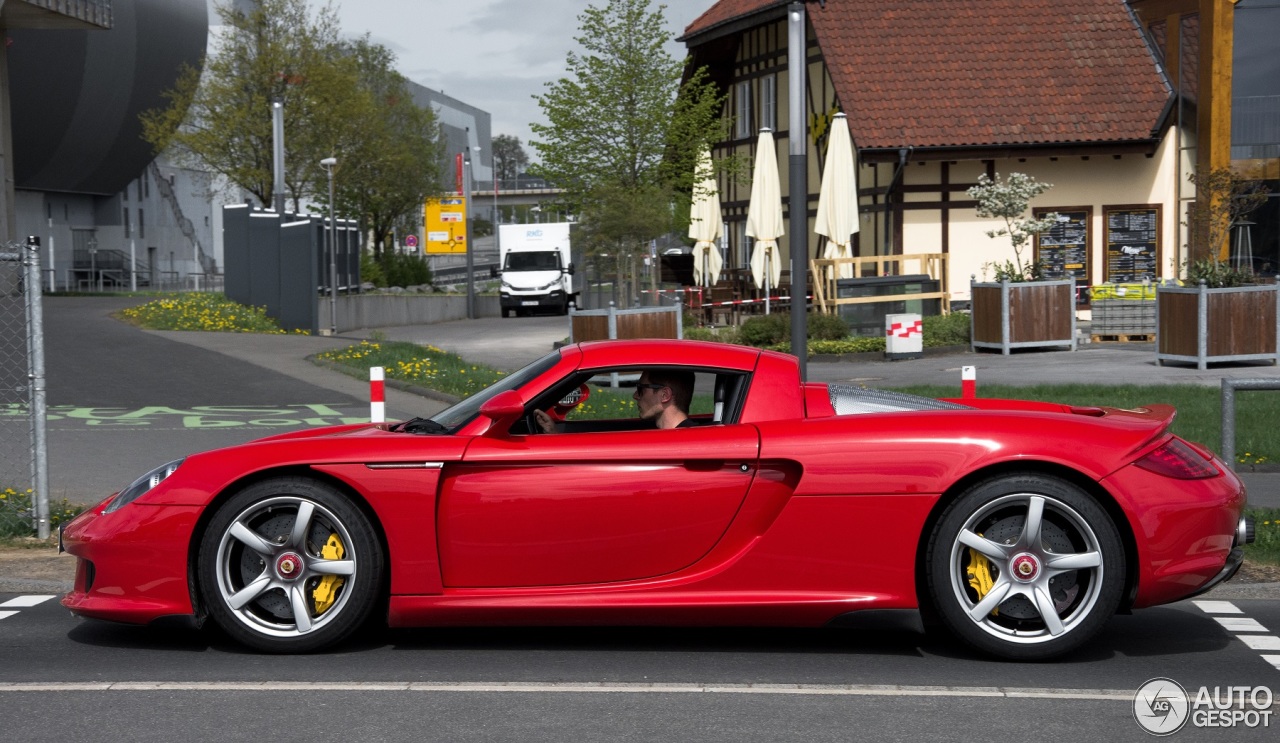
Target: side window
{"points": [[742, 111], [610, 401], [769, 102]]}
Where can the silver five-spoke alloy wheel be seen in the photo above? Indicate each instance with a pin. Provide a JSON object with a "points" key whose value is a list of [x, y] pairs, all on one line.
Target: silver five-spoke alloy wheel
{"points": [[1026, 567], [289, 565]]}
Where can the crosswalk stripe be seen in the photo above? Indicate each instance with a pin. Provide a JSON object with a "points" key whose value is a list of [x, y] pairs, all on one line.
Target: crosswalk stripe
{"points": [[1217, 607], [26, 602], [1240, 624]]}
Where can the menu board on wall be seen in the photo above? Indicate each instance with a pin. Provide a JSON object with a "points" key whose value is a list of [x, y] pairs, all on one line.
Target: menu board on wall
{"points": [[1133, 243], [1063, 250]]}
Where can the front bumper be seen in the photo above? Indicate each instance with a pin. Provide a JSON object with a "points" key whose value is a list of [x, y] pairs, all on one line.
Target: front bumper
{"points": [[512, 300], [131, 565]]}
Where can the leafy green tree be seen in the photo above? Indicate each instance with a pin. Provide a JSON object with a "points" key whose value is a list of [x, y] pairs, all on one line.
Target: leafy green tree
{"points": [[221, 119], [623, 132], [389, 154], [509, 157]]}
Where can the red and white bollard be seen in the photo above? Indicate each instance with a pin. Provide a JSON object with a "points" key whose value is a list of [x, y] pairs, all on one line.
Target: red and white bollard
{"points": [[377, 396], [968, 381]]}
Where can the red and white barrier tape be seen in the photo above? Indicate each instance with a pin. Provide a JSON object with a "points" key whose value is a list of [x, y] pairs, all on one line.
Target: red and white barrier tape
{"points": [[377, 396], [901, 330]]}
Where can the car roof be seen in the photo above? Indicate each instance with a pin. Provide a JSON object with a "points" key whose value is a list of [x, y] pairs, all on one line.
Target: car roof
{"points": [[655, 352]]}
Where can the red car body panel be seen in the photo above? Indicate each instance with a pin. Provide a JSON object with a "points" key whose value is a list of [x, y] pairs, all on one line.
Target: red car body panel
{"points": [[790, 515]]}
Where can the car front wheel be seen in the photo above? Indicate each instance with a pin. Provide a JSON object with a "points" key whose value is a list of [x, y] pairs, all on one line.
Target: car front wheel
{"points": [[290, 565], [1025, 567]]}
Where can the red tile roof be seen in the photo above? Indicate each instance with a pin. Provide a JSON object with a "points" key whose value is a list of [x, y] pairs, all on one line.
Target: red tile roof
{"points": [[955, 73]]}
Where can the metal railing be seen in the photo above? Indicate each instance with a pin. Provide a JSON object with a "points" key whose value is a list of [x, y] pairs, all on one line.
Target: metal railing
{"points": [[1229, 387]]}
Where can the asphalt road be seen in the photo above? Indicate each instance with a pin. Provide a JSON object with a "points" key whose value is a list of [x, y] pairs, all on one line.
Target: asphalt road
{"points": [[123, 400], [72, 680]]}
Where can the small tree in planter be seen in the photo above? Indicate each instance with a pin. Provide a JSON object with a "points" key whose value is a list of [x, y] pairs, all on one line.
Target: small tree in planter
{"points": [[1035, 312], [1008, 200], [1222, 314], [1222, 200]]}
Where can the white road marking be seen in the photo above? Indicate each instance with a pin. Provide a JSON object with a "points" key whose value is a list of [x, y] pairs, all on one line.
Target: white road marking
{"points": [[1273, 660], [1114, 695], [1217, 607], [7, 614], [1261, 642], [26, 602], [1240, 624]]}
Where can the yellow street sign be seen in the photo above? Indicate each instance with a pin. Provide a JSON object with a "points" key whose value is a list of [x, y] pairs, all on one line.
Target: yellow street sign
{"points": [[444, 223]]}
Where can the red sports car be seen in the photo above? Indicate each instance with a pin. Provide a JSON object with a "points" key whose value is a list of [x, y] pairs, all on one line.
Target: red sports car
{"points": [[1019, 526]]}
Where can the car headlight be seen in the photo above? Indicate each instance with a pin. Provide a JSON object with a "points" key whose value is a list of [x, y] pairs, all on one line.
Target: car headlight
{"points": [[140, 486]]}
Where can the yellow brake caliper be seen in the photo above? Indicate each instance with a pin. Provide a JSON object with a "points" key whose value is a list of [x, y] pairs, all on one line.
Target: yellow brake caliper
{"points": [[327, 590], [979, 572]]}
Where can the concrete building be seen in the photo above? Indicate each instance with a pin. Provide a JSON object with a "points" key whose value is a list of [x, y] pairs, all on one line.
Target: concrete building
{"points": [[84, 179]]}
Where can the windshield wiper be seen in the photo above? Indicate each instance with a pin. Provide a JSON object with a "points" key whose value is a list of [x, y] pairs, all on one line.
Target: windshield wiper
{"points": [[419, 425]]}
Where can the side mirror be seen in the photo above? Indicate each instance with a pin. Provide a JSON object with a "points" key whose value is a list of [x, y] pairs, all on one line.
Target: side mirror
{"points": [[494, 272], [502, 410], [570, 271], [502, 405]]}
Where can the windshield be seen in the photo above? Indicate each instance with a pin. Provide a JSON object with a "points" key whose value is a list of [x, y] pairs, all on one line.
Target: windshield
{"points": [[540, 261], [458, 415]]}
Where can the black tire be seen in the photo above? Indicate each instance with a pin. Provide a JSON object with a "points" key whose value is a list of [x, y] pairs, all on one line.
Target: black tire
{"points": [[1046, 592], [271, 586], [506, 312]]}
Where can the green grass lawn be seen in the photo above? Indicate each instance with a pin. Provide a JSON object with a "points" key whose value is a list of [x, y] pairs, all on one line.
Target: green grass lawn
{"points": [[1199, 410]]}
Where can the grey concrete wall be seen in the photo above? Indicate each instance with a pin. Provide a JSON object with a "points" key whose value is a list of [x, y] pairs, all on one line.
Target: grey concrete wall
{"points": [[389, 310]]}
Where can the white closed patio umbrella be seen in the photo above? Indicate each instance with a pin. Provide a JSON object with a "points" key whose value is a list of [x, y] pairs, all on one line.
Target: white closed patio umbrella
{"points": [[705, 222], [838, 200], [764, 216]]}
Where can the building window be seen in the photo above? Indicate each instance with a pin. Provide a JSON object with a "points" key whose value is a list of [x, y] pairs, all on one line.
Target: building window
{"points": [[139, 182], [742, 127], [127, 233], [146, 185], [142, 225], [769, 102]]}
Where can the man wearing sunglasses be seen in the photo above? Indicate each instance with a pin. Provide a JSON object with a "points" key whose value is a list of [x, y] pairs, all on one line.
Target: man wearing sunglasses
{"points": [[662, 396]]}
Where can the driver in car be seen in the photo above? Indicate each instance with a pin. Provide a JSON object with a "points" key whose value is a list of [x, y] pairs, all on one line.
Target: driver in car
{"points": [[662, 396]]}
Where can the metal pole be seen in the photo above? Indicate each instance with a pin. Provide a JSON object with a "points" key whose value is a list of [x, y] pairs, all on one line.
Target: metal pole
{"points": [[277, 136], [53, 264], [133, 263], [35, 364], [329, 163], [466, 228], [797, 63]]}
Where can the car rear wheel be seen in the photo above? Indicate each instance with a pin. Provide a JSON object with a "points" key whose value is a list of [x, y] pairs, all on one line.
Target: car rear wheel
{"points": [[1025, 567], [290, 565]]}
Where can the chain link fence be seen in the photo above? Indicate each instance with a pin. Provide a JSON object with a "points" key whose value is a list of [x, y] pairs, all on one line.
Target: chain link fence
{"points": [[23, 465]]}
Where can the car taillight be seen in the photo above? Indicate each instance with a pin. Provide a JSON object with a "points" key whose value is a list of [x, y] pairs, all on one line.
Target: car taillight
{"points": [[1178, 460]]}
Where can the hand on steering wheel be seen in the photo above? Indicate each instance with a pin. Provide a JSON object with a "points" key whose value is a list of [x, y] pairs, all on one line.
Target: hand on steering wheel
{"points": [[540, 422]]}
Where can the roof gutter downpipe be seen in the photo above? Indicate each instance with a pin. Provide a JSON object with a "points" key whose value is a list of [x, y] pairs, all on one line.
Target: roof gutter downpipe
{"points": [[903, 154]]}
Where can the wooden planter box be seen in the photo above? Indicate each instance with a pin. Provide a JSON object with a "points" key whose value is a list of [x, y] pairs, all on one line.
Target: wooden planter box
{"points": [[1011, 315], [1201, 325]]}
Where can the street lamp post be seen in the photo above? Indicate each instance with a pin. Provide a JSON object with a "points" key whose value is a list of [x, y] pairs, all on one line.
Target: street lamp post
{"points": [[466, 218], [93, 263], [329, 164]]}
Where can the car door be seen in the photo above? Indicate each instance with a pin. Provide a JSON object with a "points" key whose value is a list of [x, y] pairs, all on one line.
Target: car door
{"points": [[579, 508]]}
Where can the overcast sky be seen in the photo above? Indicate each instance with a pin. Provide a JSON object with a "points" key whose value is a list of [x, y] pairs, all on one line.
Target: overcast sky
{"points": [[491, 54]]}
